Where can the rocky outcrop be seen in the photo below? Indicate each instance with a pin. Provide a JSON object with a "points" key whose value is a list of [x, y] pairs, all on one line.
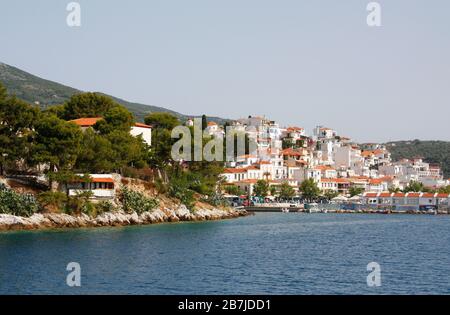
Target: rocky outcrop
{"points": [[119, 218]]}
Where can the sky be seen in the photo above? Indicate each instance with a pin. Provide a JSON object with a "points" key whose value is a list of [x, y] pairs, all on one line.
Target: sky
{"points": [[301, 63]]}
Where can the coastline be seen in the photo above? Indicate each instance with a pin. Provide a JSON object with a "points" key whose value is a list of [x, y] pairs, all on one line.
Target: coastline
{"points": [[45, 221]]}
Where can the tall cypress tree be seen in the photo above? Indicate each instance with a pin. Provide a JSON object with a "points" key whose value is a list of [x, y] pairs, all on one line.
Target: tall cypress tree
{"points": [[204, 122]]}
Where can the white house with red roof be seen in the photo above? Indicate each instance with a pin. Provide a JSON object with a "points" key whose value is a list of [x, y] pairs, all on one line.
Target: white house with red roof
{"points": [[138, 129], [102, 186]]}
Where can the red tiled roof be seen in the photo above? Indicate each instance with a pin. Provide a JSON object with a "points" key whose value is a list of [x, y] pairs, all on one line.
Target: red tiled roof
{"points": [[328, 180], [102, 180], [140, 125], [334, 180], [413, 194], [366, 153], [385, 194], [371, 195], [86, 122], [290, 152], [290, 129], [324, 168], [90, 121], [234, 170]]}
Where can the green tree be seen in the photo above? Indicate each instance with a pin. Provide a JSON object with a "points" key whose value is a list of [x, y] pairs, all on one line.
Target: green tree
{"points": [[354, 191], [161, 120], [309, 189], [444, 190], [261, 188], [127, 150], [116, 118], [394, 189], [233, 190], [55, 110], [204, 122], [96, 154], [17, 120], [414, 186], [160, 153], [88, 105], [57, 143], [286, 191], [3, 93], [330, 194], [273, 191]]}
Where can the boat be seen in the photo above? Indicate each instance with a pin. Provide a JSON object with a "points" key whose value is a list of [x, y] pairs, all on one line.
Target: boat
{"points": [[285, 210], [312, 208]]}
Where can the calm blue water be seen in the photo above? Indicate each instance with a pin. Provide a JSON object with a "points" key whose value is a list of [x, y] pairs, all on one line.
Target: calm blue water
{"points": [[262, 254]]}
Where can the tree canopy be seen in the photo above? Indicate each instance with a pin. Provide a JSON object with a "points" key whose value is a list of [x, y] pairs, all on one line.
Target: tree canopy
{"points": [[309, 189], [286, 191], [87, 105], [16, 129], [261, 188]]}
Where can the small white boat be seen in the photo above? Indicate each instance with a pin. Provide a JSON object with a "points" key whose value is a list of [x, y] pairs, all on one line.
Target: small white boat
{"points": [[312, 208], [285, 210]]}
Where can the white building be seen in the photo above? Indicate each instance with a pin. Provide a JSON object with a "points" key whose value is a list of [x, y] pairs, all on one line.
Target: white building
{"points": [[143, 130], [102, 186]]}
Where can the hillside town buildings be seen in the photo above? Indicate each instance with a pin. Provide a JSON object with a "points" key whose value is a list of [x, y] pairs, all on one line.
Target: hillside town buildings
{"points": [[334, 162], [289, 155]]}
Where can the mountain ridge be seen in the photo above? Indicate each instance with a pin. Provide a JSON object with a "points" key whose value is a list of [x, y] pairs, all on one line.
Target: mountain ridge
{"points": [[36, 90]]}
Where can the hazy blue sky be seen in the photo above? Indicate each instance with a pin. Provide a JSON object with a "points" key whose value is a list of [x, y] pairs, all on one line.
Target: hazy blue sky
{"points": [[299, 62]]}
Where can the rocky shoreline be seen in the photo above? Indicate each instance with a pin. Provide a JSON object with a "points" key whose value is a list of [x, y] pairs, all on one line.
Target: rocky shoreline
{"points": [[43, 221]]}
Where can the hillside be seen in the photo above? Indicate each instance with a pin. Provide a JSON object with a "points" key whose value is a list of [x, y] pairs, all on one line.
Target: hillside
{"points": [[432, 151], [32, 89]]}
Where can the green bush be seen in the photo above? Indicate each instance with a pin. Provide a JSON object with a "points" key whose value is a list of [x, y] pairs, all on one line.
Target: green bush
{"points": [[234, 190], [53, 199], [17, 204], [179, 188], [160, 186], [80, 204], [105, 206], [136, 201]]}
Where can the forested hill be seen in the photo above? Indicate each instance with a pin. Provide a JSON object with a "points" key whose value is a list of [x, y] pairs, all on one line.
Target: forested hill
{"points": [[32, 89], [432, 151]]}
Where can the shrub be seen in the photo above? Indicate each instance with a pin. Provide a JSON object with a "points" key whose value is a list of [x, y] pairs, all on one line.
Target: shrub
{"points": [[17, 204], [80, 204], [52, 199], [160, 186], [136, 201], [145, 173], [179, 188], [105, 206], [234, 190]]}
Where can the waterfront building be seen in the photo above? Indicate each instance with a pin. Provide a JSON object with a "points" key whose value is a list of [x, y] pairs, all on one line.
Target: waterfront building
{"points": [[407, 201], [102, 186]]}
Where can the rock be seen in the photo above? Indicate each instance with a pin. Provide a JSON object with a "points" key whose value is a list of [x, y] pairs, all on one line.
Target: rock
{"points": [[134, 218], [117, 218]]}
